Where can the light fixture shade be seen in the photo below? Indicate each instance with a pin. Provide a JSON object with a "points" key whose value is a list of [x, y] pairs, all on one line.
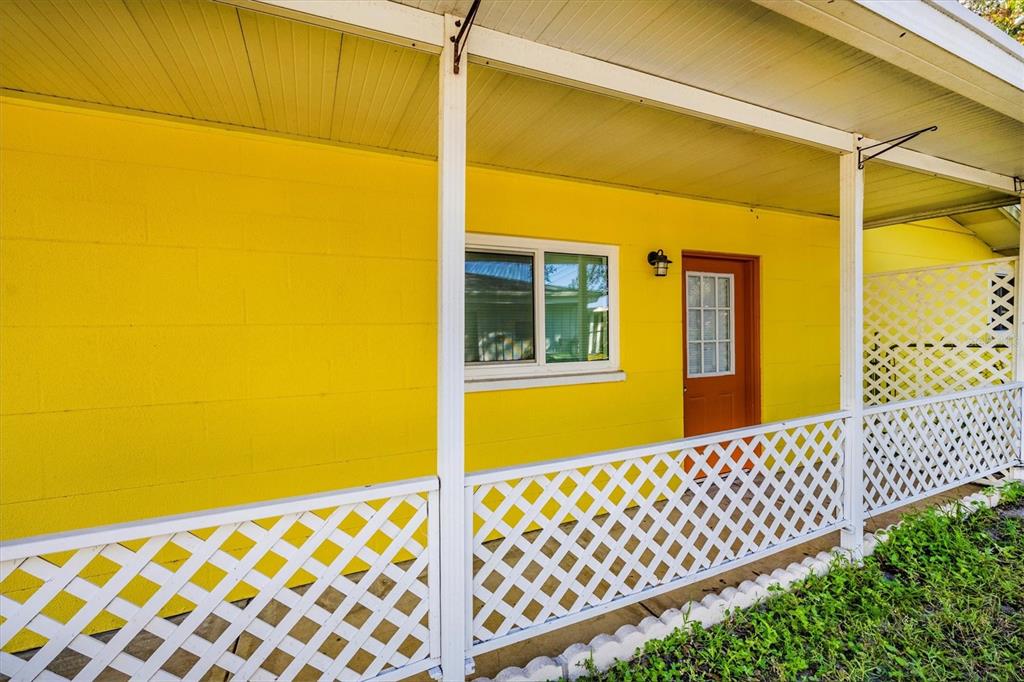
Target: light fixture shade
{"points": [[659, 261]]}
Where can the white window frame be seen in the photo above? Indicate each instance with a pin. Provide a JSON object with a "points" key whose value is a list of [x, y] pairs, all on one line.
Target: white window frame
{"points": [[538, 372], [732, 323]]}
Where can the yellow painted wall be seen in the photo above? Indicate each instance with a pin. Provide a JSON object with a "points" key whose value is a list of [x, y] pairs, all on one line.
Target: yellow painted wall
{"points": [[194, 317], [799, 288], [921, 244]]}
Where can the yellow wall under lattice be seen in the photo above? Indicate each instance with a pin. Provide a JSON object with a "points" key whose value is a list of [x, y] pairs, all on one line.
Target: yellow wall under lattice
{"points": [[925, 243]]}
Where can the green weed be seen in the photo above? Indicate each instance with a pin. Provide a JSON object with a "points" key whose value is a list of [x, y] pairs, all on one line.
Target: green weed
{"points": [[941, 599]]}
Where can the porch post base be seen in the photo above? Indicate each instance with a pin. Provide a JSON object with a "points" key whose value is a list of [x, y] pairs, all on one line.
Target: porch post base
{"points": [[851, 540]]}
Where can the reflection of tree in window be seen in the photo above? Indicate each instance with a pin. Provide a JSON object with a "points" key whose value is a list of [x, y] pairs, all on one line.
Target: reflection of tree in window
{"points": [[499, 307], [575, 307]]}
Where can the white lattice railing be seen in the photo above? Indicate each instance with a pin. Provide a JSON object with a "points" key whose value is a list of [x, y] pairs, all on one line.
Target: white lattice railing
{"points": [[561, 541], [938, 330], [917, 448], [345, 585], [331, 586]]}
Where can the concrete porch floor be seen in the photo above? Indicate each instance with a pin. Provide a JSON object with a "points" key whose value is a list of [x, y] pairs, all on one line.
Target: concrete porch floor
{"points": [[554, 643]]}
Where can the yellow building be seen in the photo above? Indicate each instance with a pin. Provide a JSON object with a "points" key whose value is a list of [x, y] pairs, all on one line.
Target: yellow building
{"points": [[195, 317], [219, 251]]}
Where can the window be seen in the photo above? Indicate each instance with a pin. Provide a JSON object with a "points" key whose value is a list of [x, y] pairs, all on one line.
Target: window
{"points": [[710, 320], [499, 307], [538, 308]]}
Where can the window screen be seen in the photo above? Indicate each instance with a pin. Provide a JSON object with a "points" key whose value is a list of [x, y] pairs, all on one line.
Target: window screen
{"points": [[499, 307]]}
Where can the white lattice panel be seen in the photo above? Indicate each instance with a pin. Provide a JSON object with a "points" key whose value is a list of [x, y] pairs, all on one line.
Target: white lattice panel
{"points": [[331, 587], [938, 330], [912, 450], [551, 542]]}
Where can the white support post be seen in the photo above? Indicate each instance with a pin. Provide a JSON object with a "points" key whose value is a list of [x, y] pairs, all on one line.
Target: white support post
{"points": [[851, 313], [1017, 472], [451, 257]]}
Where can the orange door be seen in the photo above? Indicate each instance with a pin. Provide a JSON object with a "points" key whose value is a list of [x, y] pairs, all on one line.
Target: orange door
{"points": [[721, 372]]}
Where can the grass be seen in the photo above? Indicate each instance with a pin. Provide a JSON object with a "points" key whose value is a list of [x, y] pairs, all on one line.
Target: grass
{"points": [[941, 599]]}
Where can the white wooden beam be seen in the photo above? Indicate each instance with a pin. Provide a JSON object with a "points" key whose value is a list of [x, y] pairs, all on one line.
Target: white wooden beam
{"points": [[451, 257], [902, 157], [526, 57], [851, 316], [939, 212], [378, 19], [410, 26]]}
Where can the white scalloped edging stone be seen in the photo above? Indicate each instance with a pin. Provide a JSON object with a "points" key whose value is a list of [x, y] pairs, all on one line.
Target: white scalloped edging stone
{"points": [[605, 650]]}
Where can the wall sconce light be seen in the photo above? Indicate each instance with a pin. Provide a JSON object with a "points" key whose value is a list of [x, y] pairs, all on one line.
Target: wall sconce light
{"points": [[659, 261]]}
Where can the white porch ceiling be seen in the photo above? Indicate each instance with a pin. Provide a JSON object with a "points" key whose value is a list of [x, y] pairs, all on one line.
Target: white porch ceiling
{"points": [[525, 124], [746, 51], [997, 227], [212, 62]]}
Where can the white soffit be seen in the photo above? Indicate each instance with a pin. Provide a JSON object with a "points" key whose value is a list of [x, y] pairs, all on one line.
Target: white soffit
{"points": [[526, 124], [939, 40], [213, 62], [750, 53], [995, 227], [218, 63]]}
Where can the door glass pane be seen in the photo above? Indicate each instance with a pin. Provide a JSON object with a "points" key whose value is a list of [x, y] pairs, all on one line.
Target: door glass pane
{"points": [[693, 358], [723, 292], [499, 307], [693, 291], [724, 356], [575, 307], [707, 288], [708, 333], [709, 359], [724, 319], [693, 325]]}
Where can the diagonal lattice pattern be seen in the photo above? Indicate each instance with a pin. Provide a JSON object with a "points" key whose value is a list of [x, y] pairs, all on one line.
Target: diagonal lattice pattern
{"points": [[931, 331], [549, 545], [912, 450], [334, 591]]}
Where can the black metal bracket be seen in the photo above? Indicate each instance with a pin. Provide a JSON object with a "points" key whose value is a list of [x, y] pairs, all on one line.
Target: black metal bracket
{"points": [[889, 144], [1018, 185], [460, 38]]}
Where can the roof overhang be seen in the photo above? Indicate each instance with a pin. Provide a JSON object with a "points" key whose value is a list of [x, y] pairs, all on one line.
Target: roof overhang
{"points": [[364, 74], [939, 40], [421, 29]]}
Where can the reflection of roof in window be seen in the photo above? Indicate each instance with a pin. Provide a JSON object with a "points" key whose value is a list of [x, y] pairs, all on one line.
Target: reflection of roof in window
{"points": [[567, 275], [507, 270], [488, 273]]}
